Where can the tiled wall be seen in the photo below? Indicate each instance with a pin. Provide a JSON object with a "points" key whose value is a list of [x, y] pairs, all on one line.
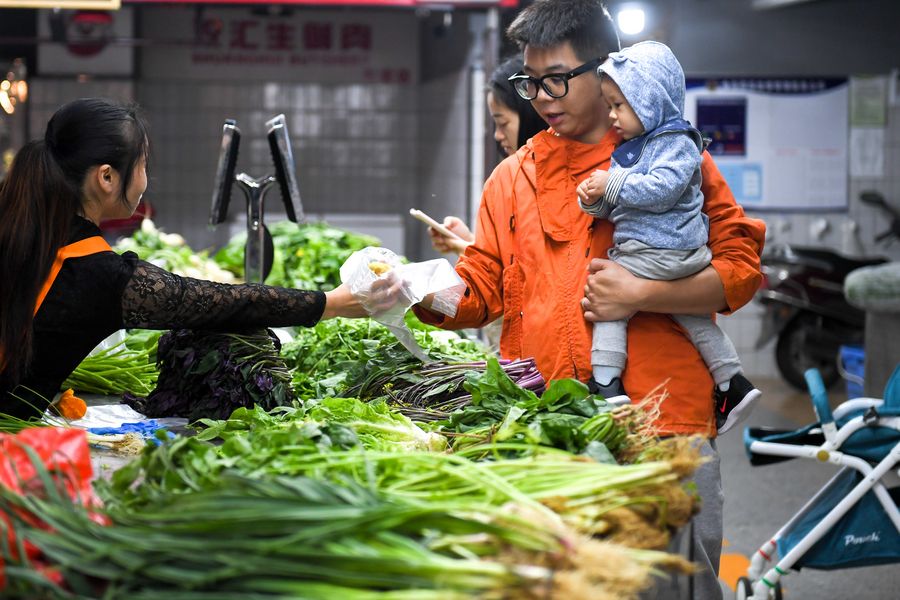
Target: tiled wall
{"points": [[354, 146], [46, 95], [444, 142]]}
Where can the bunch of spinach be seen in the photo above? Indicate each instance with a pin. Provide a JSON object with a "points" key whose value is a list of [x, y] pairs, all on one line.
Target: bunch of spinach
{"points": [[338, 354], [566, 416], [307, 256]]}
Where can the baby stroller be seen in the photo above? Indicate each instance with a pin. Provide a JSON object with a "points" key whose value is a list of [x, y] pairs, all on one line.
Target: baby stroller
{"points": [[853, 520]]}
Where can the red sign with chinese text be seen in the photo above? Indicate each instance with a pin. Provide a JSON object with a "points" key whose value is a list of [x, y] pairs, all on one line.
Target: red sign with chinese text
{"points": [[398, 3], [325, 46]]}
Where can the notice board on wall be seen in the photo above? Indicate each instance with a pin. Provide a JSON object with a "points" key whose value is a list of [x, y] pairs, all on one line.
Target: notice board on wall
{"points": [[781, 143]]}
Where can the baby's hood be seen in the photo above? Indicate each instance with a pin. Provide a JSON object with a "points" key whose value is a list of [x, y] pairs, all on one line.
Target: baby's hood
{"points": [[651, 79]]}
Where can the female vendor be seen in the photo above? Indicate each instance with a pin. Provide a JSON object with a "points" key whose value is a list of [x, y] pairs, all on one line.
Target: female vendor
{"points": [[63, 289]]}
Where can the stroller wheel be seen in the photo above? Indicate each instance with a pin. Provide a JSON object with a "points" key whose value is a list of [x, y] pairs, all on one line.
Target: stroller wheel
{"points": [[744, 589]]}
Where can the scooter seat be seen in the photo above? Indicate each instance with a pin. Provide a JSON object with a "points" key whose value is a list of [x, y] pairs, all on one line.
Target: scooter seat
{"points": [[824, 259]]}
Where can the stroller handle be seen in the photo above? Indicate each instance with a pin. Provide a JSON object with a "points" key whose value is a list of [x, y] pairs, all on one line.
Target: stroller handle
{"points": [[819, 396]]}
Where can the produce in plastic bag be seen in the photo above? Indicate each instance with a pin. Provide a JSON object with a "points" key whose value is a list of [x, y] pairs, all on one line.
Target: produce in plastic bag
{"points": [[372, 272]]}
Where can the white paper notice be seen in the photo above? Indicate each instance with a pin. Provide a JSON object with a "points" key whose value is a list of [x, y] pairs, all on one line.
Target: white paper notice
{"points": [[866, 152], [781, 144]]}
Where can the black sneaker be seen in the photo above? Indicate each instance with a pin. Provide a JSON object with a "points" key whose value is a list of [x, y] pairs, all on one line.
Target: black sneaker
{"points": [[613, 393], [734, 405]]}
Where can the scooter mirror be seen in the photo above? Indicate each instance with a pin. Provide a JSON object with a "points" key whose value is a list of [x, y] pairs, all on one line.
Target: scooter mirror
{"points": [[874, 198]]}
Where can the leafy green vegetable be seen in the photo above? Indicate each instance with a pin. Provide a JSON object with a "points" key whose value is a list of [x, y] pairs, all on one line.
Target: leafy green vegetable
{"points": [[339, 354], [582, 492], [273, 537], [564, 416], [432, 391], [307, 256], [170, 251], [377, 426]]}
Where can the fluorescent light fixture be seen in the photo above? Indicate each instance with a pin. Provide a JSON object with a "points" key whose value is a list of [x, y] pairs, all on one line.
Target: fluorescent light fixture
{"points": [[770, 4], [631, 21]]}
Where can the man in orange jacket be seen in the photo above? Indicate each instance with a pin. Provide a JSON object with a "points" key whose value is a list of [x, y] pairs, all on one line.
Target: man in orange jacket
{"points": [[531, 258]]}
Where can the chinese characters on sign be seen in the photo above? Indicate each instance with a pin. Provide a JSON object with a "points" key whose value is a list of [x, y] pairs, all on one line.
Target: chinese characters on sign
{"points": [[250, 34], [324, 46], [254, 41]]}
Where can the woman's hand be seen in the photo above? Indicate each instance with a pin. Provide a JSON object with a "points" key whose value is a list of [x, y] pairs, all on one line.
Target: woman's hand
{"points": [[339, 302], [448, 245], [612, 292]]}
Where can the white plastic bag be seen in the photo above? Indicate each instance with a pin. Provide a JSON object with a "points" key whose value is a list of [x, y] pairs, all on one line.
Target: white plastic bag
{"points": [[436, 277], [109, 342]]}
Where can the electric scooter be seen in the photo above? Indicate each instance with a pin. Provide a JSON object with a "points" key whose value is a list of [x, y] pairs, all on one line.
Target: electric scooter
{"points": [[805, 308]]}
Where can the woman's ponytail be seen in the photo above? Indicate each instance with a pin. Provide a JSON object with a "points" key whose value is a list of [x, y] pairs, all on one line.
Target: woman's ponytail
{"points": [[36, 208]]}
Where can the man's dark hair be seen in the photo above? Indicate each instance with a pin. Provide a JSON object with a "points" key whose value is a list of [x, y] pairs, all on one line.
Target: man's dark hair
{"points": [[585, 24]]}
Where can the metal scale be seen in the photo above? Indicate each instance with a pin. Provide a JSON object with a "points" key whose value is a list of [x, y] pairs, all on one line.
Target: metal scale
{"points": [[259, 250]]}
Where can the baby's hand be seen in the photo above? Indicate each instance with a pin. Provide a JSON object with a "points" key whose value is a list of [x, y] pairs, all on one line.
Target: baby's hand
{"points": [[593, 188]]}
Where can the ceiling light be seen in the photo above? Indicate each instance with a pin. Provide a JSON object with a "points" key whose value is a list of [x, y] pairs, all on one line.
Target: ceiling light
{"points": [[631, 21]]}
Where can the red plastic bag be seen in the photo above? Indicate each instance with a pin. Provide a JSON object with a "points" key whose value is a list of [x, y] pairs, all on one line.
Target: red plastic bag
{"points": [[65, 454]]}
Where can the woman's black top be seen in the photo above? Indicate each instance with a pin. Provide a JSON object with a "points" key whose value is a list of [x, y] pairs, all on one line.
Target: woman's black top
{"points": [[96, 295]]}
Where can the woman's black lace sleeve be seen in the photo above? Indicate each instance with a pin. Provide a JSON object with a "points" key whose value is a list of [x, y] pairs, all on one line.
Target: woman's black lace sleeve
{"points": [[157, 299]]}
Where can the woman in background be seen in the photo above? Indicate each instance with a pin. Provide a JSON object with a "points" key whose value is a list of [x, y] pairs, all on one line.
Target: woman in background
{"points": [[515, 122]]}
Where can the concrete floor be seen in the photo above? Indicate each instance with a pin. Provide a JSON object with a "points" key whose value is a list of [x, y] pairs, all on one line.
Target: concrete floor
{"points": [[759, 500]]}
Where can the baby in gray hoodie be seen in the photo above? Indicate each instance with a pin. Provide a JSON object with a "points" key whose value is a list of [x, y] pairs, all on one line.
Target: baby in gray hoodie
{"points": [[652, 195]]}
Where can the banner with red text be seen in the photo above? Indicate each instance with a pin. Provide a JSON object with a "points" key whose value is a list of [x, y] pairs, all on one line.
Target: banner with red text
{"points": [[325, 46]]}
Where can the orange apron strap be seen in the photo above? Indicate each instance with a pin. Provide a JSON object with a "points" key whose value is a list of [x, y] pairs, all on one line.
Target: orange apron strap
{"points": [[85, 247]]}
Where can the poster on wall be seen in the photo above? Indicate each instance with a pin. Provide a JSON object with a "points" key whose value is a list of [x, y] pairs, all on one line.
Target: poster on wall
{"points": [[325, 46], [781, 144]]}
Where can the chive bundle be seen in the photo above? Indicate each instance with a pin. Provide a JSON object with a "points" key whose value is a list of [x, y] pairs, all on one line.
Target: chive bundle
{"points": [[116, 370], [252, 537]]}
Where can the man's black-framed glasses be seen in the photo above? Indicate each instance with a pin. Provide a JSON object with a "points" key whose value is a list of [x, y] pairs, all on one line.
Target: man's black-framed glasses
{"points": [[555, 84]]}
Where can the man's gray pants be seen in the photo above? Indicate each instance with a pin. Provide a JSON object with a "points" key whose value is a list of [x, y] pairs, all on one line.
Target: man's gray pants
{"points": [[700, 541]]}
